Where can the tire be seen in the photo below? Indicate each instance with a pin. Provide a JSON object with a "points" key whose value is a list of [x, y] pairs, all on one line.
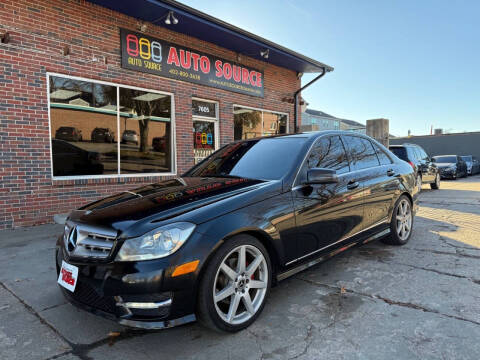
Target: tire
{"points": [[396, 237], [436, 184], [217, 315]]}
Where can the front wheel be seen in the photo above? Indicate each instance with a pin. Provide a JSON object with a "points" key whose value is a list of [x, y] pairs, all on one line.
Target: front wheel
{"points": [[402, 222], [436, 184], [235, 285]]}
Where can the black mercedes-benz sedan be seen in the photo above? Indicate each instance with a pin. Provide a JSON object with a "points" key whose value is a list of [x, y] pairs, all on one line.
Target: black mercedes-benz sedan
{"points": [[210, 244]]}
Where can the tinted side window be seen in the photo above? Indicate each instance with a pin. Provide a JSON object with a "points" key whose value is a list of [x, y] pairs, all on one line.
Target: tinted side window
{"points": [[421, 154], [417, 154], [382, 155], [362, 153], [329, 153], [401, 152]]}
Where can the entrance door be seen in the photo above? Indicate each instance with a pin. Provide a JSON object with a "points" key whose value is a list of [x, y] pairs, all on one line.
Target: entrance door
{"points": [[205, 128]]}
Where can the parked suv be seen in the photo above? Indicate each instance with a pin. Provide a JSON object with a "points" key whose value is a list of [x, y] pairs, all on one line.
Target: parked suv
{"points": [[130, 136], [102, 135], [68, 133], [426, 172], [159, 144]]}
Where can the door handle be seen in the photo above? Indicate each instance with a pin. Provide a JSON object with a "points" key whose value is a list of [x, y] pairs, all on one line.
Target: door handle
{"points": [[390, 172], [353, 184]]}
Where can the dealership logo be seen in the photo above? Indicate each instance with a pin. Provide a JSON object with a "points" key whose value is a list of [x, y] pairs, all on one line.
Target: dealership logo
{"points": [[72, 239], [144, 53]]}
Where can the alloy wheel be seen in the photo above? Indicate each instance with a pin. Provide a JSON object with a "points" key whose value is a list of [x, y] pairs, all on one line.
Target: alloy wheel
{"points": [[404, 219], [240, 284]]}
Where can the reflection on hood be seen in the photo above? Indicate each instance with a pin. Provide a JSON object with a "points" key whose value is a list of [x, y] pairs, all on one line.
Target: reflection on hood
{"points": [[165, 198]]}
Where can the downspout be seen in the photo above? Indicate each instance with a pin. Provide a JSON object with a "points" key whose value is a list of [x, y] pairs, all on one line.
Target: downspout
{"points": [[295, 98]]}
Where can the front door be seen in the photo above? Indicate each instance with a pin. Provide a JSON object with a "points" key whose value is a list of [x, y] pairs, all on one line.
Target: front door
{"points": [[326, 214], [205, 128]]}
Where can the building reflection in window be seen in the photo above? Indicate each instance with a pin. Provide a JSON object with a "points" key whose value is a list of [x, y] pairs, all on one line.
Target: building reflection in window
{"points": [[250, 123]]}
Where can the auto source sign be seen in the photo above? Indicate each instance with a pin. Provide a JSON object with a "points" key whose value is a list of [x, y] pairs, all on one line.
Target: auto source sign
{"points": [[154, 56]]}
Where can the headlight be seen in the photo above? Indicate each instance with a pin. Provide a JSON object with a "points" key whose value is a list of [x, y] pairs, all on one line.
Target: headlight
{"points": [[156, 244], [452, 168]]}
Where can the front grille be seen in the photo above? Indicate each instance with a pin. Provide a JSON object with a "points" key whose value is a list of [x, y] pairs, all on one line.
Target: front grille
{"points": [[88, 241], [86, 294]]}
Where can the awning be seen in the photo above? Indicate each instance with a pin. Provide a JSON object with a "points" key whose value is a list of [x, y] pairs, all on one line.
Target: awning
{"points": [[194, 23]]}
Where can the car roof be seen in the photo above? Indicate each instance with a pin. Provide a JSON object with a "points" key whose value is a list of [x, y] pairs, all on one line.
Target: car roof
{"points": [[310, 135], [404, 145]]}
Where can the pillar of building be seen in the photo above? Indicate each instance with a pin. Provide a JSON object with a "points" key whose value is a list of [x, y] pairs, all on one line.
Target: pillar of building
{"points": [[379, 129]]}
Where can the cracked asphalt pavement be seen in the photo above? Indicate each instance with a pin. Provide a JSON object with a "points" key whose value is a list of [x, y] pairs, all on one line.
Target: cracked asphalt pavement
{"points": [[419, 301]]}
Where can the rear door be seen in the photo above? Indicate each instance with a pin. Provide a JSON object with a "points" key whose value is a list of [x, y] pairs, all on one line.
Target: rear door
{"points": [[427, 171], [327, 213], [377, 180]]}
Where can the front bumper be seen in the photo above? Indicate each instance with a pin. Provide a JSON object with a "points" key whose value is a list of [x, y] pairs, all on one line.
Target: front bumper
{"points": [[109, 288], [447, 173]]}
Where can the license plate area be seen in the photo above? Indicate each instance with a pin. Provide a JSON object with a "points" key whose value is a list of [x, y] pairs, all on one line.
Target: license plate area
{"points": [[68, 276]]}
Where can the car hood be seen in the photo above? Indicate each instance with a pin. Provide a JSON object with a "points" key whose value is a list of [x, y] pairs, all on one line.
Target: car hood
{"points": [[146, 207]]}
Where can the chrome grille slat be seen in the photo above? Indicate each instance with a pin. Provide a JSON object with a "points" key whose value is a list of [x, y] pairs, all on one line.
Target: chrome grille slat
{"points": [[91, 241], [94, 243]]}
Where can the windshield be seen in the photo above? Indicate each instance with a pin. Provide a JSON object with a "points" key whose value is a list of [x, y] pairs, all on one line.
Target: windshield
{"points": [[262, 159], [466, 158], [445, 159]]}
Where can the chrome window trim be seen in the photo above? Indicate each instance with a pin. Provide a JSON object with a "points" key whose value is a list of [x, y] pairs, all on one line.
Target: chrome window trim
{"points": [[296, 186], [384, 221]]}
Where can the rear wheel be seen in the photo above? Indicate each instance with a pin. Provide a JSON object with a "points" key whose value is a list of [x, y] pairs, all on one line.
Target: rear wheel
{"points": [[235, 285], [402, 222], [436, 184]]}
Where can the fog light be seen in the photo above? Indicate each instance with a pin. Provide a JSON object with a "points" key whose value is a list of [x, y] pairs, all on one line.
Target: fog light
{"points": [[142, 305], [147, 305]]}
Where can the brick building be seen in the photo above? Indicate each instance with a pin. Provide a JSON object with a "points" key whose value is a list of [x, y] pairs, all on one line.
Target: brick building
{"points": [[101, 96]]}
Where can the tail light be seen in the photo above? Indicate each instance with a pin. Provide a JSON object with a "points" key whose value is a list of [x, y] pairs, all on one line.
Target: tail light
{"points": [[412, 165]]}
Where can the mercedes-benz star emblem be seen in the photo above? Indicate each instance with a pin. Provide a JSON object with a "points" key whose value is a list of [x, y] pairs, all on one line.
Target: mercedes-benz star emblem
{"points": [[72, 239]]}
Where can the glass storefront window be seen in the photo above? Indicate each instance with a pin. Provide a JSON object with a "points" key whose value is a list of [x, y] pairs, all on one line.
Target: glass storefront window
{"points": [[251, 123], [88, 127], [145, 128]]}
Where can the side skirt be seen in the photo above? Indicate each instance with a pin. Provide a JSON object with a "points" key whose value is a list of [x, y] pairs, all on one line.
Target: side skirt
{"points": [[322, 258]]}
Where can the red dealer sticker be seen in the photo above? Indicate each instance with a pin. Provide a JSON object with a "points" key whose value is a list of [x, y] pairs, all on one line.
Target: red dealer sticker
{"points": [[68, 276], [150, 55]]}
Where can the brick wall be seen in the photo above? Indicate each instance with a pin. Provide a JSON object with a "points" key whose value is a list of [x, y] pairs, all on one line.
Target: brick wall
{"points": [[39, 30]]}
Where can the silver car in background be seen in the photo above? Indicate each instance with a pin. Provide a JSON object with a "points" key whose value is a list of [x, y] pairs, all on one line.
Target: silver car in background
{"points": [[469, 161], [130, 136]]}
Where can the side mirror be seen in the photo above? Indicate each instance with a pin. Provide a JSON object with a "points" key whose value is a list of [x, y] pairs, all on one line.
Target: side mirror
{"points": [[321, 176]]}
